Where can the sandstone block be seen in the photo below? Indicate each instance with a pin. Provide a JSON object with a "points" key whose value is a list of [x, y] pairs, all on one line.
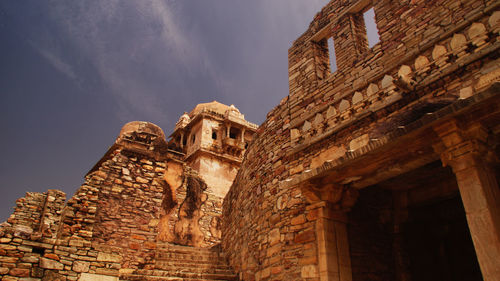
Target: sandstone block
{"points": [[328, 155], [107, 257], [50, 264], [309, 271], [52, 256], [20, 272], [294, 134], [359, 142], [300, 219], [344, 105], [96, 277], [81, 266], [306, 127], [306, 236], [274, 236], [296, 169]]}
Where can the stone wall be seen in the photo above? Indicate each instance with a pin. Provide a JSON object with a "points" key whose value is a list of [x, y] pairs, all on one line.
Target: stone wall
{"points": [[38, 212], [431, 55], [137, 197]]}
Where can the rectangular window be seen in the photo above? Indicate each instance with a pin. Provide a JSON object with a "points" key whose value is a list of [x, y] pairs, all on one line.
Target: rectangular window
{"points": [[331, 54], [371, 27], [233, 132]]}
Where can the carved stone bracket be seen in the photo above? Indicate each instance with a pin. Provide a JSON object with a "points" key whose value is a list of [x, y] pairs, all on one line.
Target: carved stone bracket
{"points": [[340, 197], [457, 142]]}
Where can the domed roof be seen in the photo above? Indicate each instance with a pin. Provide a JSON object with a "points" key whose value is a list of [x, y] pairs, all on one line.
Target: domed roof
{"points": [[214, 106], [141, 127]]}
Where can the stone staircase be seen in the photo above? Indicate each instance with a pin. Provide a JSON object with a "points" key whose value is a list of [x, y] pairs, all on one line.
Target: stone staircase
{"points": [[174, 262]]}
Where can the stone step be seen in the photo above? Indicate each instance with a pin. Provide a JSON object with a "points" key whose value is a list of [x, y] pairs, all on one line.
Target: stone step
{"points": [[194, 268], [174, 247], [165, 265], [132, 277], [163, 255], [159, 274]]}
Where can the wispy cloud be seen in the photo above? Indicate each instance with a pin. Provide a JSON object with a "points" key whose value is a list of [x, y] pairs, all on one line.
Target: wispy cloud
{"points": [[126, 42], [57, 63]]}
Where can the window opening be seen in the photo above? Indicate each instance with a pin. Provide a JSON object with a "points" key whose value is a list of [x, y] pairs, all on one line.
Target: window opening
{"points": [[193, 138], [233, 132], [331, 54], [371, 27], [184, 141], [214, 134]]}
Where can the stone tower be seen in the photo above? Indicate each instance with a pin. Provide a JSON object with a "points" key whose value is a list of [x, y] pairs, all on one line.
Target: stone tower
{"points": [[213, 138]]}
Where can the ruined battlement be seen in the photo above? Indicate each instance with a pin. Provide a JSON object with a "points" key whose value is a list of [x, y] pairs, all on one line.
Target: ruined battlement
{"points": [[142, 198]]}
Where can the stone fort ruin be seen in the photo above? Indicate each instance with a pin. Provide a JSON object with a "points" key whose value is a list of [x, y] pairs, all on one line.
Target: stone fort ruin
{"points": [[385, 168]]}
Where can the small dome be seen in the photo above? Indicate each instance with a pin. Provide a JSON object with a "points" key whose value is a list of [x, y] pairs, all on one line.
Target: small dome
{"points": [[184, 117], [183, 121], [140, 127], [233, 108], [214, 106]]}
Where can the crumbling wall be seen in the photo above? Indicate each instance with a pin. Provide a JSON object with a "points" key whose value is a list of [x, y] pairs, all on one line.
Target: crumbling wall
{"points": [[38, 212], [128, 208], [137, 195], [431, 54], [191, 214]]}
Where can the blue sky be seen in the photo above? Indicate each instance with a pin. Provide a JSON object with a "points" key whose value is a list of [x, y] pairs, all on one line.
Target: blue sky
{"points": [[73, 72]]}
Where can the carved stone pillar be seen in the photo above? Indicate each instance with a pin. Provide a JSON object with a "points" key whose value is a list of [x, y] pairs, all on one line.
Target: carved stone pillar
{"points": [[242, 135], [466, 151], [333, 245], [333, 203]]}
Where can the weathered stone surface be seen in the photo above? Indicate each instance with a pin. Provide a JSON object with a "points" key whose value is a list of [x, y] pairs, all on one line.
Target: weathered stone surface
{"points": [[421, 63], [344, 105], [50, 264], [96, 277], [458, 42], [330, 154], [372, 89], [309, 271], [357, 97], [438, 52], [81, 266], [359, 142], [108, 257], [284, 217], [20, 272]]}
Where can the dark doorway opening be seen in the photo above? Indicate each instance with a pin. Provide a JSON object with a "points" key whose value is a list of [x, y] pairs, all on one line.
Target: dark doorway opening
{"points": [[438, 242]]}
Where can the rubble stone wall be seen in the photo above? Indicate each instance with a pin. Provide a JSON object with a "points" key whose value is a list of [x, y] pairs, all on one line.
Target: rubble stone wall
{"points": [[137, 197], [431, 54]]}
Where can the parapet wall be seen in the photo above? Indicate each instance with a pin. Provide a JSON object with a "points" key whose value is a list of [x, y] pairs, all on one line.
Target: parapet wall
{"points": [[431, 55]]}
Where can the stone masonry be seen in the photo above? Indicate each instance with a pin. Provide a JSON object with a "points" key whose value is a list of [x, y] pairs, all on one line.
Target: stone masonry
{"points": [[143, 213], [384, 169], [425, 94]]}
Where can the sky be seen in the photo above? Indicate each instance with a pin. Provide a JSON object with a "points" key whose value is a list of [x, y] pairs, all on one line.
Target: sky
{"points": [[72, 73]]}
